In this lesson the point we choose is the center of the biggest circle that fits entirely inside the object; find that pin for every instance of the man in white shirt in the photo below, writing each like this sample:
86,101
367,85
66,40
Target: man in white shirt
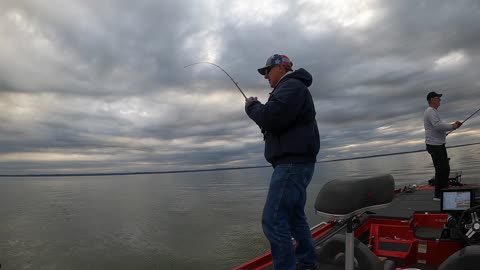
435,137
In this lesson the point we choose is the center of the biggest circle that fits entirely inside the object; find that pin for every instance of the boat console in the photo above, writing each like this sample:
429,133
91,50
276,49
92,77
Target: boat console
390,242
463,222
463,214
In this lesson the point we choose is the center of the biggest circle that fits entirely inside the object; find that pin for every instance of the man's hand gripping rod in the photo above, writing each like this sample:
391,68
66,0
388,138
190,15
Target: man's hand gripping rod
465,120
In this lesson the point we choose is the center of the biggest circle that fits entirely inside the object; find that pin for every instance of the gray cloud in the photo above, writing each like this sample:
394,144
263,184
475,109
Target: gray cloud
88,86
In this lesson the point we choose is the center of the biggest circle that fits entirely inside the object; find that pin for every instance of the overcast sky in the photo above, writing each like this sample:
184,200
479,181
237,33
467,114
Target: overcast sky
100,86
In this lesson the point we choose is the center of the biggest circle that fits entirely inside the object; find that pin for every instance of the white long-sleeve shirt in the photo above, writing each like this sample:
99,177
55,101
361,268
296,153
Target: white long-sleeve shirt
435,129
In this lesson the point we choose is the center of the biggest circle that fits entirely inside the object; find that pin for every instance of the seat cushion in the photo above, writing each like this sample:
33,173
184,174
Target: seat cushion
345,197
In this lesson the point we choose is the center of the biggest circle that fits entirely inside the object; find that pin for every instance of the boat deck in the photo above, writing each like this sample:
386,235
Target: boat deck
408,202
405,204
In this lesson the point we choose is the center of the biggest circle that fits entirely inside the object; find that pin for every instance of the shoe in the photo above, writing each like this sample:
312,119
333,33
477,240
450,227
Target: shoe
436,199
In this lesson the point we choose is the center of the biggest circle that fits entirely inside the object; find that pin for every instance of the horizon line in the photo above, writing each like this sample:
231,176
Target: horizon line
217,169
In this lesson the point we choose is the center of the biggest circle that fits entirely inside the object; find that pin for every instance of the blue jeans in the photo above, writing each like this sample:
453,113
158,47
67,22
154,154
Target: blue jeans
284,217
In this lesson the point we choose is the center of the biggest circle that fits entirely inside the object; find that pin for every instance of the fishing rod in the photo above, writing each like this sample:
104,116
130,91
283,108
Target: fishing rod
465,120
236,84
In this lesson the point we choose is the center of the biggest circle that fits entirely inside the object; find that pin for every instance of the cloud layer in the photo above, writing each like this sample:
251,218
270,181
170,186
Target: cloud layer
89,86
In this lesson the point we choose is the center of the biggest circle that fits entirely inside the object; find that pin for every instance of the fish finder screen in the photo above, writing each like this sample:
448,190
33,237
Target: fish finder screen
456,200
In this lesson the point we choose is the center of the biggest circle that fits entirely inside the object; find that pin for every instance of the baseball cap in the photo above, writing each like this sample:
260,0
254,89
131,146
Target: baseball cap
276,59
432,95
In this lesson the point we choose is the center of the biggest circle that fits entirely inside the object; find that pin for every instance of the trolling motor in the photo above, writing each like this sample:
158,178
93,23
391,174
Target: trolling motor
454,179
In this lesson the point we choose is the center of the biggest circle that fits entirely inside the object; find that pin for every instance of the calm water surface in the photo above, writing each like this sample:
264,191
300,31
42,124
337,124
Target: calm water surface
203,220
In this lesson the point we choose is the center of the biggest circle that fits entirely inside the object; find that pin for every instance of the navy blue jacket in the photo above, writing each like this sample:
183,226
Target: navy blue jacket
288,121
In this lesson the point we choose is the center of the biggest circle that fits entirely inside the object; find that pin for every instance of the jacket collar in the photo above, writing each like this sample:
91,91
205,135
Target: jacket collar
281,78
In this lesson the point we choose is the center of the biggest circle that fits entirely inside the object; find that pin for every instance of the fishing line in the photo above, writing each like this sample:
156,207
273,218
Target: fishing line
236,84
465,120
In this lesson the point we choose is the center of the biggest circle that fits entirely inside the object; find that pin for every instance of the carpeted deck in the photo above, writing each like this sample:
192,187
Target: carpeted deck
407,203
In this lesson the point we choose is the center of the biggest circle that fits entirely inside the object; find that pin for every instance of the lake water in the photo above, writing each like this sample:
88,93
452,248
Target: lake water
201,220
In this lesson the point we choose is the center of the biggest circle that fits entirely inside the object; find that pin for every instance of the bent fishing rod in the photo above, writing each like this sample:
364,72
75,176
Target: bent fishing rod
236,84
465,120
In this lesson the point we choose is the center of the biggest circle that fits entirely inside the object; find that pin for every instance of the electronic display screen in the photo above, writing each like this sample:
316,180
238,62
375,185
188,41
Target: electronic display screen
456,200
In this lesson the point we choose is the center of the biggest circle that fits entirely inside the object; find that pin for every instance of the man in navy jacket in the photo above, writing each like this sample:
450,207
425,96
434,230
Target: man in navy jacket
292,142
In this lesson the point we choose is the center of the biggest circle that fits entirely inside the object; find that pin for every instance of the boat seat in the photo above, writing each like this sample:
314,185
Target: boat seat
467,258
344,198
331,256
347,199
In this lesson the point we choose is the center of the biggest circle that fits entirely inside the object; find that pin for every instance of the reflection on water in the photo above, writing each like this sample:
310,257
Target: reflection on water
203,220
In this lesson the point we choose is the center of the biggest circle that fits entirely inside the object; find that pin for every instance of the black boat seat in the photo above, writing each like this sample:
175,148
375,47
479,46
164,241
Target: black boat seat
329,256
468,258
344,198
